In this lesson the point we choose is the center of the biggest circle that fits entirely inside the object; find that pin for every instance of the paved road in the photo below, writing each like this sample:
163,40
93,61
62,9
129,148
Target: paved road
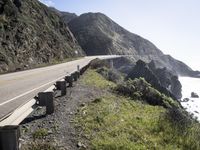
20,87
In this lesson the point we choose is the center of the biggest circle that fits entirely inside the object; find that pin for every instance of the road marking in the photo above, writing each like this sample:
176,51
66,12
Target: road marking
49,68
8,101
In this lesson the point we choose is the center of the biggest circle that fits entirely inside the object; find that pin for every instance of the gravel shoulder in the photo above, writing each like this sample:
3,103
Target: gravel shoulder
57,131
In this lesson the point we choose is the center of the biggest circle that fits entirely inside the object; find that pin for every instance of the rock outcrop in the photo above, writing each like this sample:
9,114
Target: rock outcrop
99,35
31,34
194,95
162,79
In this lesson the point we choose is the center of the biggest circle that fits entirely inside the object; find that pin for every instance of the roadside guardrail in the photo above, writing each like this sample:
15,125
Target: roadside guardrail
9,125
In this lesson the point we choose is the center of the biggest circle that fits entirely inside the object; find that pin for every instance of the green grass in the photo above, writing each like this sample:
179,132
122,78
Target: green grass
92,78
120,123
116,122
39,142
40,133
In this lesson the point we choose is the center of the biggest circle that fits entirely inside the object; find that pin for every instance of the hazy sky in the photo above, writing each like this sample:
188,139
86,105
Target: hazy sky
172,25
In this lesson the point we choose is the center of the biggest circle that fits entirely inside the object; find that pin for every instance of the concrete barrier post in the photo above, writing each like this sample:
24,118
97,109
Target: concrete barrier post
9,138
78,68
81,71
78,74
61,85
69,80
47,99
111,64
75,77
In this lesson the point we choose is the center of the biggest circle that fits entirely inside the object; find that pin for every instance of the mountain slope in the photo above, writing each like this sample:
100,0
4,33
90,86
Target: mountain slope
31,34
99,35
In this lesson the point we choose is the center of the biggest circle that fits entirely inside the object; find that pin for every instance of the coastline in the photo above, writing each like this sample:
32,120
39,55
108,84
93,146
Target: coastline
189,85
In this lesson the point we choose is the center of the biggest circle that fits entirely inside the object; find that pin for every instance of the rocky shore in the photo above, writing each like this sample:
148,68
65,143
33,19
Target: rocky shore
190,91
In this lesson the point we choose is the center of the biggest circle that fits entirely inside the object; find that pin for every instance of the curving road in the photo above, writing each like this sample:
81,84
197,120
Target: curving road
20,87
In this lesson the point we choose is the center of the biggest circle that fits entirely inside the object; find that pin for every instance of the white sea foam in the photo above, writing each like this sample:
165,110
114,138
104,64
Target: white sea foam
191,85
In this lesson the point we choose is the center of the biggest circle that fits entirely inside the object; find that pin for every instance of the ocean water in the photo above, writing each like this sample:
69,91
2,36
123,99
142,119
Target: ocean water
191,85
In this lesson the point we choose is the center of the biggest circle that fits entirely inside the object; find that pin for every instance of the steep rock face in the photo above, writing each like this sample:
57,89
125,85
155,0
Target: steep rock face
31,34
162,79
99,35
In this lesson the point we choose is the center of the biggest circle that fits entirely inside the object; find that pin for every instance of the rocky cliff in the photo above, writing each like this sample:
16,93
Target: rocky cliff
99,35
31,34
162,79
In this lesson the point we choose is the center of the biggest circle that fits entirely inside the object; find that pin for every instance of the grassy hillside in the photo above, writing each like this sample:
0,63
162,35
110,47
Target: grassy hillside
125,121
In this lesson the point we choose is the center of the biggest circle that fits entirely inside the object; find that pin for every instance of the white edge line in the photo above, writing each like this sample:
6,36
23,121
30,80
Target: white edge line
8,101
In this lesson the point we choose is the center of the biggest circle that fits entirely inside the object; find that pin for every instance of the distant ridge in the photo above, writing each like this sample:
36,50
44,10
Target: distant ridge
99,35
66,16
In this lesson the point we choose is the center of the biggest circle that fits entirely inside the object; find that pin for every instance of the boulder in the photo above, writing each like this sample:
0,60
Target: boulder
185,100
194,95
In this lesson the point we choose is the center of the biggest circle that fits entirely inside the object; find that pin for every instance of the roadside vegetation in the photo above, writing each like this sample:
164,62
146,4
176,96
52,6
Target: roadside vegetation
133,116
92,78
39,146
39,142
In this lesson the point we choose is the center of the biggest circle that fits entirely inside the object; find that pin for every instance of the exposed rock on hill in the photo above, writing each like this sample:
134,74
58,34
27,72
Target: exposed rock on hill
162,79
99,35
31,34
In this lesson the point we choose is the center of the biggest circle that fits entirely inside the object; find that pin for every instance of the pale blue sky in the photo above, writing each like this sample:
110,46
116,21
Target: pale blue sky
172,25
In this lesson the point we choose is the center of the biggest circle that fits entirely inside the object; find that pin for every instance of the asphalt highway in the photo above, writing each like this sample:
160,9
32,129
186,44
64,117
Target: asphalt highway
19,87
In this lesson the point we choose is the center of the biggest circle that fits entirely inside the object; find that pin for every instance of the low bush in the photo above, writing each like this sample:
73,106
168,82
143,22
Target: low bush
92,78
110,74
142,90
97,63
